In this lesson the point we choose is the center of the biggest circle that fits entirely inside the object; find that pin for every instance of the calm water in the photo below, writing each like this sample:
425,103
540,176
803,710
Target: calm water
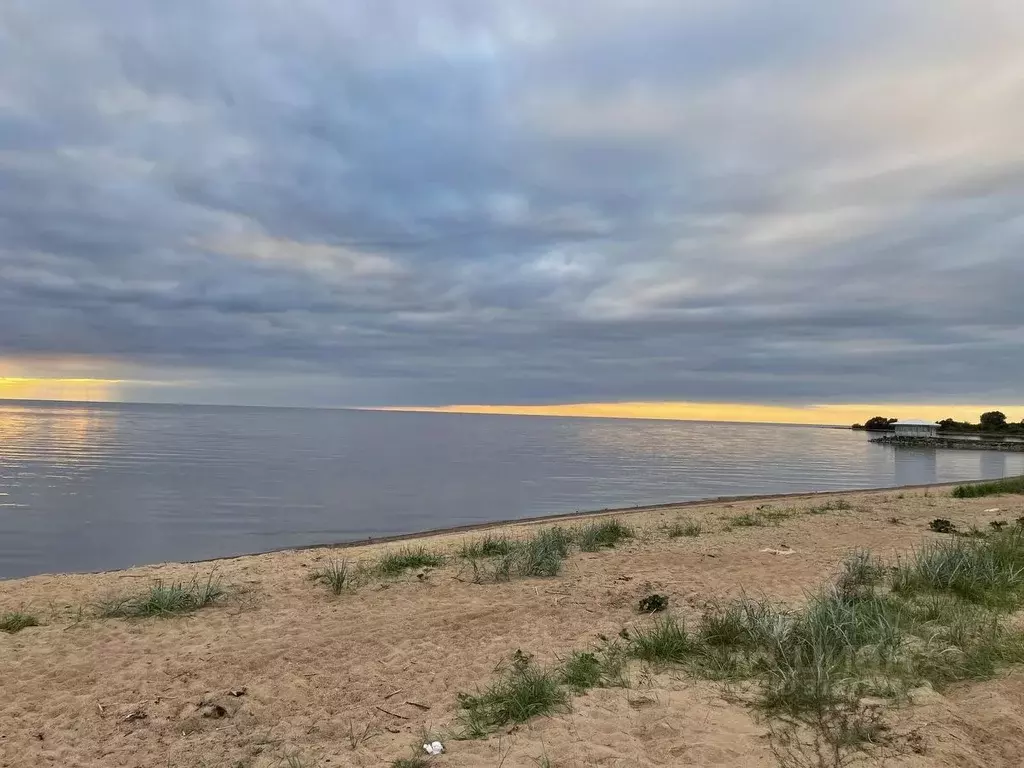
102,486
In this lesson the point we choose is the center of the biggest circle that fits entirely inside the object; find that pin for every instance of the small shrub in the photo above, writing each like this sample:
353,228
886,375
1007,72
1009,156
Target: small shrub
398,561
523,690
336,574
164,599
974,490
653,603
17,621
942,525
599,535
998,525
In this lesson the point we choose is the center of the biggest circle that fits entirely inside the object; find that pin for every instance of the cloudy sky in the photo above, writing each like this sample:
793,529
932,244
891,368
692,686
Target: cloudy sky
520,203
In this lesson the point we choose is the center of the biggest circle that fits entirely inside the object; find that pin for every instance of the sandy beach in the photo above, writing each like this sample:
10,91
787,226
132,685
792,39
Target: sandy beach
282,672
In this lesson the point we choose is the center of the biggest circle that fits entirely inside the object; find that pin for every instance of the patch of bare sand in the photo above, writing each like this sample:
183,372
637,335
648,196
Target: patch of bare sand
327,678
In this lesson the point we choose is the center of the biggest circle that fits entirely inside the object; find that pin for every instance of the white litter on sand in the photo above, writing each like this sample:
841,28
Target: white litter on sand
773,551
994,509
433,748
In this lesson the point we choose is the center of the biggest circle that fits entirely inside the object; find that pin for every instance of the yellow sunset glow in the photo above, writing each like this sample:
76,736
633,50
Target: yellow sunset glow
747,412
28,388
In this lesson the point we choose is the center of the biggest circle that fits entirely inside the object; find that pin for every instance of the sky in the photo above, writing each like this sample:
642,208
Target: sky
647,207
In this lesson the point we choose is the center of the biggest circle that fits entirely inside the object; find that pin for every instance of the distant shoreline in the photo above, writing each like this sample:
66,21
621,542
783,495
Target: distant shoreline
947,443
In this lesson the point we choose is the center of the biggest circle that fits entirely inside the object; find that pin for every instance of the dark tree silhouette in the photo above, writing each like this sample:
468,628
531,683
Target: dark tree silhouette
993,420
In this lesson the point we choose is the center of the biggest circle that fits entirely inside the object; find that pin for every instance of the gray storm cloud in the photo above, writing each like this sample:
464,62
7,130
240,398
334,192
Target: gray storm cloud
436,202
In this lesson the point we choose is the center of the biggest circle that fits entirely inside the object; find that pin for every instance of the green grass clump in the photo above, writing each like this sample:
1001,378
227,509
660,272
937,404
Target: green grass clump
411,762
666,640
760,518
17,621
988,571
602,534
397,561
523,690
836,505
164,599
488,546
604,667
582,671
974,490
684,528
540,555
336,574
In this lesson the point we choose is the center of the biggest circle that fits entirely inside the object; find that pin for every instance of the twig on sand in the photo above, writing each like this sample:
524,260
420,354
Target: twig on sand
393,693
393,714
417,704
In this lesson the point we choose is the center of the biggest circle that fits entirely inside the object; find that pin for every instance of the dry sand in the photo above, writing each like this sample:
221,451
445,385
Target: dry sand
319,670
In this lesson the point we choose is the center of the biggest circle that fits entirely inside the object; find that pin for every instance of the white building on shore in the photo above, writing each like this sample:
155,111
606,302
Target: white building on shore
916,428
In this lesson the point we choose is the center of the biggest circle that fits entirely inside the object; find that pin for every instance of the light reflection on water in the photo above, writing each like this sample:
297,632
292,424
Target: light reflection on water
105,486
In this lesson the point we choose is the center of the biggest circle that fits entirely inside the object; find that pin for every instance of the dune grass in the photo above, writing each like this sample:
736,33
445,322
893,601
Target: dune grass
164,599
411,762
604,667
988,571
396,561
602,534
835,505
760,518
523,690
337,575
974,490
875,631
542,554
939,623
488,545
16,621
684,528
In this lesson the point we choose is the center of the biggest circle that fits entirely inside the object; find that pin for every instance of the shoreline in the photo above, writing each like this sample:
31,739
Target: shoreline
497,524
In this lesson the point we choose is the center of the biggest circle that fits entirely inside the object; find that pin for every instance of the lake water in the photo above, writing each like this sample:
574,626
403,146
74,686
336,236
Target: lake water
94,487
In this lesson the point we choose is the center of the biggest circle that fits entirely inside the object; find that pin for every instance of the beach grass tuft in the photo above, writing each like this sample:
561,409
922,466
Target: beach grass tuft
337,574
974,490
488,546
411,762
835,505
396,561
542,554
164,599
16,621
666,640
760,518
603,534
688,528
988,571
523,690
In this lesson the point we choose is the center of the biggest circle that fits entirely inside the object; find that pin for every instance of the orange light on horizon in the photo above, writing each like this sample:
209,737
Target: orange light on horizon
69,389
839,414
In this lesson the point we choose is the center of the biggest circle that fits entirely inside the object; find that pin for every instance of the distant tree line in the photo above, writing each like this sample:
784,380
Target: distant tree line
989,422
876,424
